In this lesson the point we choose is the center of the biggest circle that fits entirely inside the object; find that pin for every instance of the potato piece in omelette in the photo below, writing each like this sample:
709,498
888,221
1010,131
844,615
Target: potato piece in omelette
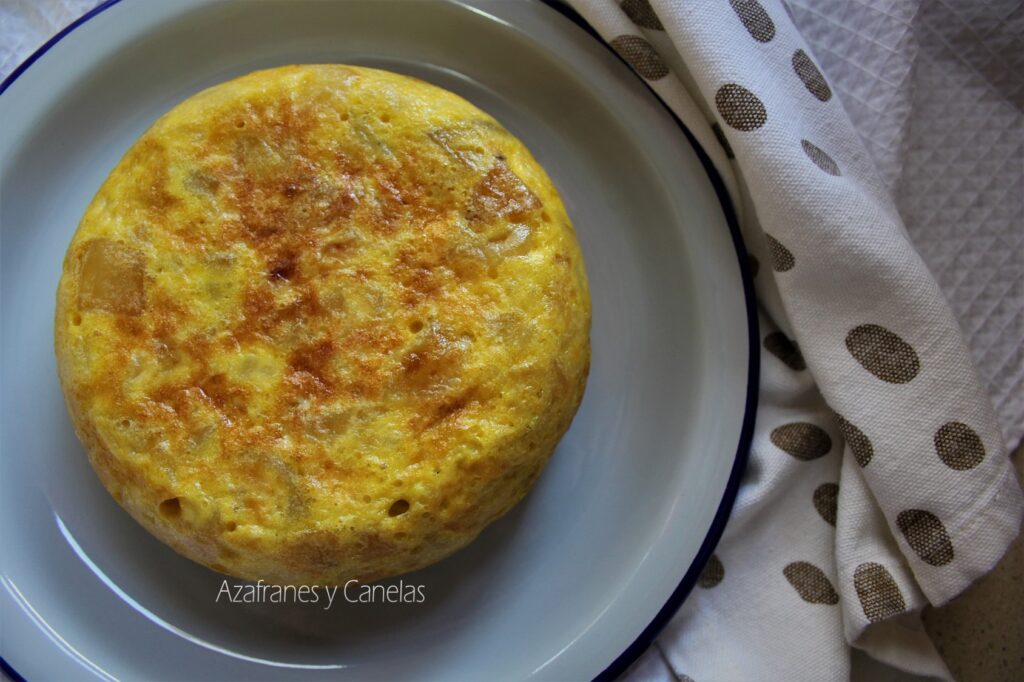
322,323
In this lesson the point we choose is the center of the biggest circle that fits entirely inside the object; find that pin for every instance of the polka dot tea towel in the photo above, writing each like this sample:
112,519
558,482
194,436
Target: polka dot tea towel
878,480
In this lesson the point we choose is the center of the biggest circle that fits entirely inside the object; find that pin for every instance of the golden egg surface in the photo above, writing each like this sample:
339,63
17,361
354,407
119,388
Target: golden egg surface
322,323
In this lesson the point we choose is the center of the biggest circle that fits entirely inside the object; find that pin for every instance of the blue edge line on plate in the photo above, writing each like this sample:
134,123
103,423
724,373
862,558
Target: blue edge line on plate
644,640
675,600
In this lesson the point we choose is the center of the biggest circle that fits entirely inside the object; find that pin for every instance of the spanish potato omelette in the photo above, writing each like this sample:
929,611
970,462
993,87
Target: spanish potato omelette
321,323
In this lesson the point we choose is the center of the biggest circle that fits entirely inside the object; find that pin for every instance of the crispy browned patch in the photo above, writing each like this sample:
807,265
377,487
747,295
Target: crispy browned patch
224,395
311,367
150,162
262,317
282,267
501,194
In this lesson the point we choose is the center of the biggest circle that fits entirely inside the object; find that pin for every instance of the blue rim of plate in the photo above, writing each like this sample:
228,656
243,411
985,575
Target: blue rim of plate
714,534
646,637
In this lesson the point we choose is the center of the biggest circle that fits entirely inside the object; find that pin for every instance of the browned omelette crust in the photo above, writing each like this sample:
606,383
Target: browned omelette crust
322,323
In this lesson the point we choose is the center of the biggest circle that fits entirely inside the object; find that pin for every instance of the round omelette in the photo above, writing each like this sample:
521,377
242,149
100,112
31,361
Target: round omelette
322,323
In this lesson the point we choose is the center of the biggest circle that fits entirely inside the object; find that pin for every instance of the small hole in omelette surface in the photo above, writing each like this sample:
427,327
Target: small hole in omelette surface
76,319
230,526
125,423
239,123
415,326
282,269
398,508
385,118
170,508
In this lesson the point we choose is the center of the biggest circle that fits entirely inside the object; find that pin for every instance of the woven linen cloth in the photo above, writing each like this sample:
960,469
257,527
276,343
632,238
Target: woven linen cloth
936,91
878,480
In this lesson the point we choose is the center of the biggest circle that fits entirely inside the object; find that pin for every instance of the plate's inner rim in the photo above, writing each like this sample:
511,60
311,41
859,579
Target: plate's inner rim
643,640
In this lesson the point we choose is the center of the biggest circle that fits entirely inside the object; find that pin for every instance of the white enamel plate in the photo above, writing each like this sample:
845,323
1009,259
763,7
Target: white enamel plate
575,582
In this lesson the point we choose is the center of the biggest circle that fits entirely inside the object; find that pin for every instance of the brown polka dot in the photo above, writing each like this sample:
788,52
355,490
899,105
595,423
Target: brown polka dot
755,265
722,140
878,592
826,497
781,257
712,574
926,535
779,345
639,54
811,76
883,353
811,583
802,440
641,13
859,444
959,447
755,19
820,158
739,107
